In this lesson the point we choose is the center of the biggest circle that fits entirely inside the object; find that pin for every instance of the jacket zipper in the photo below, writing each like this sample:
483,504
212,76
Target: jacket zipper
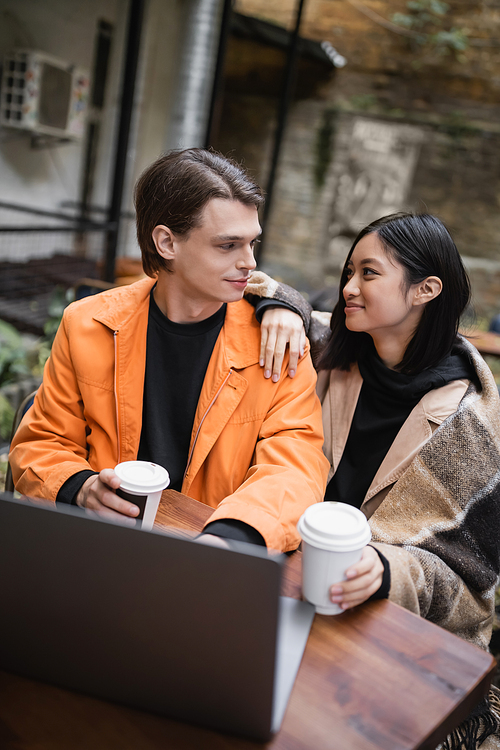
212,402
115,339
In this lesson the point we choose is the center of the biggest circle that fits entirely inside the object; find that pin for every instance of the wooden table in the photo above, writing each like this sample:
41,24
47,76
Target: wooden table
375,678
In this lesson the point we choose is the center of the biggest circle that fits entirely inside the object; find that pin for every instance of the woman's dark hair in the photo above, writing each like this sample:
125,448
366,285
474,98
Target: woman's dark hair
175,189
424,247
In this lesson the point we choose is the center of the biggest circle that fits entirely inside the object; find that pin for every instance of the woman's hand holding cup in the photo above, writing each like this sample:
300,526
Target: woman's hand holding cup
363,580
334,538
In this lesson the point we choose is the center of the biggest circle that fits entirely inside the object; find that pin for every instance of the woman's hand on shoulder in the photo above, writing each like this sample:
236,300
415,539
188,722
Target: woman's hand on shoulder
363,580
281,327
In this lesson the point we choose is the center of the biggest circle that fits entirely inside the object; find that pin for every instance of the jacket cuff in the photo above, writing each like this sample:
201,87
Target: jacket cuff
385,586
265,304
238,531
262,286
272,531
72,486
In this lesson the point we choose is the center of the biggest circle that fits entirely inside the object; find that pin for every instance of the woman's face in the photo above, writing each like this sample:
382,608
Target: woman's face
376,298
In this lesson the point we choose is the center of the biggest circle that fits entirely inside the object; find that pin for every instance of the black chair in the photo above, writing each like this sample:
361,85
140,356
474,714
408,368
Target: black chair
21,410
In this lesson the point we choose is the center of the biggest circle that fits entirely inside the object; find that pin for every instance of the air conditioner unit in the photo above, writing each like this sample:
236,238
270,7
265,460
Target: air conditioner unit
43,94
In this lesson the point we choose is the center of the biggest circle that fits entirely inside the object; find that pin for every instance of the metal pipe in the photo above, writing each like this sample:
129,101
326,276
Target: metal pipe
80,227
37,211
218,85
286,97
92,209
131,57
188,125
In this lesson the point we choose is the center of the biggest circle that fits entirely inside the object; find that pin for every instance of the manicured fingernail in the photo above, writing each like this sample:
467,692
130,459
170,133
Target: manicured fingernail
302,352
261,362
267,374
344,606
335,590
351,573
276,377
134,510
291,373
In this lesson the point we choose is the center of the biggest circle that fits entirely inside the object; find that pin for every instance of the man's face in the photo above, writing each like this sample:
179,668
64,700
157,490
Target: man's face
213,263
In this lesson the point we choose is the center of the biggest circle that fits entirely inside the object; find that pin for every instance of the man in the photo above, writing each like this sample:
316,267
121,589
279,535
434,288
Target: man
167,370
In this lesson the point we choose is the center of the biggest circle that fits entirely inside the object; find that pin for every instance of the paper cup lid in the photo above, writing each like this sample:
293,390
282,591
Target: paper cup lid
142,475
334,526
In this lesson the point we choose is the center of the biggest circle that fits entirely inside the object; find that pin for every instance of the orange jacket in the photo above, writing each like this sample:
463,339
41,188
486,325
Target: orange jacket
256,446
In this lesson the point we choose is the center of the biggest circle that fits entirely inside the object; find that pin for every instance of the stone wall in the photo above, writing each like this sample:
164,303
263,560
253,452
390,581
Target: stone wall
485,279
458,178
382,58
450,104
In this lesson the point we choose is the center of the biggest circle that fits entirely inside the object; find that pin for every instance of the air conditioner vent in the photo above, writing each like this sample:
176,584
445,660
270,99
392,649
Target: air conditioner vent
43,94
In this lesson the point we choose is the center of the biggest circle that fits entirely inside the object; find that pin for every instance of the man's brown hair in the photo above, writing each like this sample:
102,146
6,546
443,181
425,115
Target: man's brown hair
175,189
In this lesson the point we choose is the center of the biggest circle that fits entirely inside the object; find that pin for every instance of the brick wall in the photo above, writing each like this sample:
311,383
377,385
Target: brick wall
454,105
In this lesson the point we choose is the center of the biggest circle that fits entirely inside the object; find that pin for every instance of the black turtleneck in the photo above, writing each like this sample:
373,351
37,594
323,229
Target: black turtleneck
385,401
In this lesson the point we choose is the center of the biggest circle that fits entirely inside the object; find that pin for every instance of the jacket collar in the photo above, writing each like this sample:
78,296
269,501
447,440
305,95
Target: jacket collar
339,404
120,304
241,335
241,329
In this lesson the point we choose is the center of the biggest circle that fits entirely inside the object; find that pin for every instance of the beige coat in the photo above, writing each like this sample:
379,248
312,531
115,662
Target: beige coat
434,504
338,392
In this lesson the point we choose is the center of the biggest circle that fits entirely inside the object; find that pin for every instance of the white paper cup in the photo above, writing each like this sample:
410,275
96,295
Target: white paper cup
333,538
141,483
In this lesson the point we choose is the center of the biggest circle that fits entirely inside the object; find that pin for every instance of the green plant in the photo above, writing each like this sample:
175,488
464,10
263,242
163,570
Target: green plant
19,358
363,102
457,126
60,299
16,360
6,418
58,302
22,356
323,147
424,28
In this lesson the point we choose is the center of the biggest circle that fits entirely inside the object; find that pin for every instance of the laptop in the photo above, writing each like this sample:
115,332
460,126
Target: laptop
193,632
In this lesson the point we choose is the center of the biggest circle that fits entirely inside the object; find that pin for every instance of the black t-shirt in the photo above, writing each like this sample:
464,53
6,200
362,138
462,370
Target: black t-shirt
177,357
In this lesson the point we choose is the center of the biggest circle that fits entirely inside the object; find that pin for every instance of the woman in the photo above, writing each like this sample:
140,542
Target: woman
411,415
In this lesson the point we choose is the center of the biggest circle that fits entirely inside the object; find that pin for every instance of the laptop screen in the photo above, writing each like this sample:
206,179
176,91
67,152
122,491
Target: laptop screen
141,618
